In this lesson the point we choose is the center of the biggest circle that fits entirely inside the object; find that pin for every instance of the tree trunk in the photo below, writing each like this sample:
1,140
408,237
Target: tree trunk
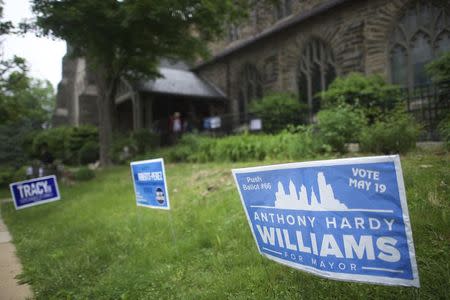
107,87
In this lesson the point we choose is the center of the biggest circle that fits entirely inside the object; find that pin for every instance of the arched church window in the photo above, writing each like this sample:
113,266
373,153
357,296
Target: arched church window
421,54
316,70
421,34
250,87
443,42
398,63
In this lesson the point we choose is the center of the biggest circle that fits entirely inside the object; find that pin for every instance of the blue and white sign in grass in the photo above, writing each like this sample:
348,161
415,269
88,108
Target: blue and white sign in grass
34,191
150,186
344,219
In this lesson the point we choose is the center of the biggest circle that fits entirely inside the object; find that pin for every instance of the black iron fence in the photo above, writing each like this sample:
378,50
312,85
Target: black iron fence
429,104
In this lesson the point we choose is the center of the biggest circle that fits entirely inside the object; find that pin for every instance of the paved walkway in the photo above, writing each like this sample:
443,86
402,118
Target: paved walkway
10,267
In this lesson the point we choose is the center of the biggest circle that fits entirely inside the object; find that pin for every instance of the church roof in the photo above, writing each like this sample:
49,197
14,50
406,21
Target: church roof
181,83
271,31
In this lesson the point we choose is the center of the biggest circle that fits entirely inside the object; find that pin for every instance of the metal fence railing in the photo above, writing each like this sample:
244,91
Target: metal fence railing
429,104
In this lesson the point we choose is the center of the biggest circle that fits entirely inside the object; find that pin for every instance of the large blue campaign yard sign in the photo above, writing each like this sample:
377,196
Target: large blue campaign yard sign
150,183
344,219
34,191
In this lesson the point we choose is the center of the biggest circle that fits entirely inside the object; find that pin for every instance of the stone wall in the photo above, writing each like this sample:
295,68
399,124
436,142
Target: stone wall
63,109
76,95
381,17
261,17
357,32
88,110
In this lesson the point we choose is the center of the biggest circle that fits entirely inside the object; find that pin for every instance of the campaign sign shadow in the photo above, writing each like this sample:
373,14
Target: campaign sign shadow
34,191
344,219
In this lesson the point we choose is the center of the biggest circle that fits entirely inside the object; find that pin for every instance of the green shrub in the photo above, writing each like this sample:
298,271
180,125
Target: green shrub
84,174
439,69
444,131
370,93
138,142
77,139
396,134
119,142
240,148
56,139
179,153
28,143
340,125
293,143
20,174
192,148
279,110
89,153
143,140
14,141
6,176
64,143
10,174
205,151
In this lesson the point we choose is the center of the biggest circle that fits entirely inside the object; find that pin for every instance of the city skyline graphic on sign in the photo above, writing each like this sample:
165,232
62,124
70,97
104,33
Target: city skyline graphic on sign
322,200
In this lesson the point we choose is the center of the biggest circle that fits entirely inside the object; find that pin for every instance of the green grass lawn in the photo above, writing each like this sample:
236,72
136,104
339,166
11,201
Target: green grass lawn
96,244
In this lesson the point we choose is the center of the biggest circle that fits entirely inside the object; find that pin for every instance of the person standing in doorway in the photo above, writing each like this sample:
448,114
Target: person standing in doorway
176,126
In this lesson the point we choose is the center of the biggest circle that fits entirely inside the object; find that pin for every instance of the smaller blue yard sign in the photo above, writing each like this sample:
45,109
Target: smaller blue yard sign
343,219
150,186
34,191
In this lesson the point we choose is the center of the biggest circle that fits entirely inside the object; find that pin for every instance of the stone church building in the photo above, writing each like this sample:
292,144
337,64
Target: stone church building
296,46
